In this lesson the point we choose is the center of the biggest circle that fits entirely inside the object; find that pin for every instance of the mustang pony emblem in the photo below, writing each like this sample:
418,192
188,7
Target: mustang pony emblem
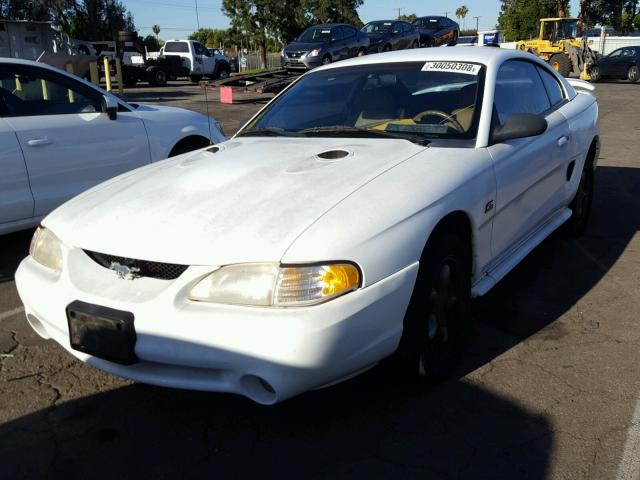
124,272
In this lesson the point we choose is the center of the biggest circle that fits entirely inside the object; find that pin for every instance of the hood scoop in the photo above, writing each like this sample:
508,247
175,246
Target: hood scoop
334,154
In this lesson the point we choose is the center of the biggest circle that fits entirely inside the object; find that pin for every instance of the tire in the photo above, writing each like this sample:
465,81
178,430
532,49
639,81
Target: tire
415,44
387,48
438,319
195,78
156,76
361,53
595,74
561,64
326,60
581,204
224,73
633,74
455,39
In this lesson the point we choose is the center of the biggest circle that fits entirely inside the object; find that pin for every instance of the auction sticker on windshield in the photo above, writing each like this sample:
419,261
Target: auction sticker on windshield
452,67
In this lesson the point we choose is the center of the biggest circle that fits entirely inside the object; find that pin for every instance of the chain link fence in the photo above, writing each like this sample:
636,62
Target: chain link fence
253,61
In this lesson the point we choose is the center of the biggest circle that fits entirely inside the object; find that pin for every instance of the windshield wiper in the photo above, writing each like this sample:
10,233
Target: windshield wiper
267,132
348,131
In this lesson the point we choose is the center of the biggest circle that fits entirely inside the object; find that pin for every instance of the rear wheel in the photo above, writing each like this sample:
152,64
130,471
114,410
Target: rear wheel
195,78
561,64
387,48
361,52
438,318
633,74
156,76
455,39
415,44
595,74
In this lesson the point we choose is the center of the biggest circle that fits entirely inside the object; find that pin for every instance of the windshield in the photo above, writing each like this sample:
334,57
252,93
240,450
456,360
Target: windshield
432,100
377,27
315,34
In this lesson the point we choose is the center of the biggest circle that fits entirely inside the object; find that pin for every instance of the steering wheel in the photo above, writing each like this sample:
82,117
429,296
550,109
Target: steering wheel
445,116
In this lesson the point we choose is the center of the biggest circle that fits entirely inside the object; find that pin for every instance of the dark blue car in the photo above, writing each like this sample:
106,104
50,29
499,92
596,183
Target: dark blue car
387,35
436,31
323,44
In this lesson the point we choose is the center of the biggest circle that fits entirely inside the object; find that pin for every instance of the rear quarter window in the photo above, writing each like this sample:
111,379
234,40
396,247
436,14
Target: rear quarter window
554,90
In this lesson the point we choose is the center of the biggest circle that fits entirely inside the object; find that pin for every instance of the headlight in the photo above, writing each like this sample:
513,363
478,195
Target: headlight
46,249
267,284
314,53
283,53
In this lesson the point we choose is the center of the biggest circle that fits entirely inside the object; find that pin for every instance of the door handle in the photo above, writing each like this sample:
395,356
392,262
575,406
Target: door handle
38,142
562,141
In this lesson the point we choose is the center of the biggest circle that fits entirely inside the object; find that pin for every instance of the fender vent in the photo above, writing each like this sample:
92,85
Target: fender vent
213,149
158,270
333,154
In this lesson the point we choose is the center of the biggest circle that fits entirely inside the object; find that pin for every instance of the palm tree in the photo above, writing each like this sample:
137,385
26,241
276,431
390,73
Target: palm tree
462,13
156,30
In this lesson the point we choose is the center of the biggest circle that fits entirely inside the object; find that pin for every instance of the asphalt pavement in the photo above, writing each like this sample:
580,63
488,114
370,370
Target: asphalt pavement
550,386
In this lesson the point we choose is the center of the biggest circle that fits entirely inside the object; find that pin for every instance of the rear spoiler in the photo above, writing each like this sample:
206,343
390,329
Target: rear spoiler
581,84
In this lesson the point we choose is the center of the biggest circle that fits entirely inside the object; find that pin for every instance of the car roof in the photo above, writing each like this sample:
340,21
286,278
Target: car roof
484,55
432,16
328,25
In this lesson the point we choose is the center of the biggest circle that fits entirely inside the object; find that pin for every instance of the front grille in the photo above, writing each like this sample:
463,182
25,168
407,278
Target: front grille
161,271
295,54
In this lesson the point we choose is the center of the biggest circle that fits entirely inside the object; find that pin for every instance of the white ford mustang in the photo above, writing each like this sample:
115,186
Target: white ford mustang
351,220
60,135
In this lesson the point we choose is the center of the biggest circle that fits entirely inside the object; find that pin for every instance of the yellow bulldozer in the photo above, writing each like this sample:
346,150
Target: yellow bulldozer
559,46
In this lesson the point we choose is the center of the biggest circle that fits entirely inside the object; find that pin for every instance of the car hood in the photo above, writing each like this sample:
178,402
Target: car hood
302,46
247,202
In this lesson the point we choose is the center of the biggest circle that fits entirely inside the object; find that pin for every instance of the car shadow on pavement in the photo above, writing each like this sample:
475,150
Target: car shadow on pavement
13,248
360,428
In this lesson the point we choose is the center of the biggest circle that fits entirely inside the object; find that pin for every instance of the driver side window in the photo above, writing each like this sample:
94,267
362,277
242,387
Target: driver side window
29,91
519,89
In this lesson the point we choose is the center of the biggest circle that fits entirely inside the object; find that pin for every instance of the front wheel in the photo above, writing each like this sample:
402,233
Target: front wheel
195,78
438,319
633,74
595,74
415,44
561,64
326,60
361,52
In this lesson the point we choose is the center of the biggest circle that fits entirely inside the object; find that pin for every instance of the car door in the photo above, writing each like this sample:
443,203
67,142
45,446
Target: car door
397,40
611,65
16,201
351,41
201,55
69,145
529,171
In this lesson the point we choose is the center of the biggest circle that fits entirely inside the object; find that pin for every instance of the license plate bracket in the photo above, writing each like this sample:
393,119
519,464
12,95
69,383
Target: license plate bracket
102,332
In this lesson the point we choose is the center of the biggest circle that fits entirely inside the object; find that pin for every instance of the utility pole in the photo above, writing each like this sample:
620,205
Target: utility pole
477,22
446,14
197,17
399,11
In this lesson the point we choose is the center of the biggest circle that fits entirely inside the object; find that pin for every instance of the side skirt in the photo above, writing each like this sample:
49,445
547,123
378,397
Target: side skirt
498,271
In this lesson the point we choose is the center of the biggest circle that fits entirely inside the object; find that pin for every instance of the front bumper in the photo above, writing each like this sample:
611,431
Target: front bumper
266,354
302,64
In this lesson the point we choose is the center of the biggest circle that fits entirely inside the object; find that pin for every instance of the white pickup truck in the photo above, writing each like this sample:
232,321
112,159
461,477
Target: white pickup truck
197,59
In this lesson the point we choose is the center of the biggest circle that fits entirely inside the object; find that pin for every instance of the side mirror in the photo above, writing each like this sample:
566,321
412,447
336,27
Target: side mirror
519,126
110,106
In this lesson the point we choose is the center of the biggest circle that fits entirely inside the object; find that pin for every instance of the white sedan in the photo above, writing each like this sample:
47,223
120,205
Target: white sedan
350,221
60,135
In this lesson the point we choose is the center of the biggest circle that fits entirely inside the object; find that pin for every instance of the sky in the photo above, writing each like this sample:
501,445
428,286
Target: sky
177,18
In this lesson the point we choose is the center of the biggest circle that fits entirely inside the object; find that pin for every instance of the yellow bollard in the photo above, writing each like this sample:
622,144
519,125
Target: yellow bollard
107,73
119,76
72,96
93,73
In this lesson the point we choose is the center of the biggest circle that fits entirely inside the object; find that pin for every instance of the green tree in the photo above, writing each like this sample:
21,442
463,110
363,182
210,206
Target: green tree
333,11
461,13
408,18
152,43
156,29
520,19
